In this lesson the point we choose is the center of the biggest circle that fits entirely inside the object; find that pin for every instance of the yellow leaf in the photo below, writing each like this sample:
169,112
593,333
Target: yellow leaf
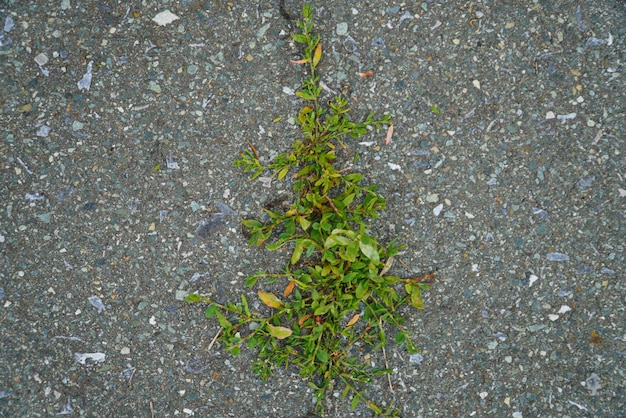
279,332
317,56
353,320
270,299
289,288
302,61
282,173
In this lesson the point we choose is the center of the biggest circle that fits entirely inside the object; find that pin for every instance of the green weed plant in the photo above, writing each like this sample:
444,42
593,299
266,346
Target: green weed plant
337,297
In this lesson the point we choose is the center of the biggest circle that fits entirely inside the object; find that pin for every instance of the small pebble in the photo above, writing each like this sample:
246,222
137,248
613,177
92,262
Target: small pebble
342,29
41,59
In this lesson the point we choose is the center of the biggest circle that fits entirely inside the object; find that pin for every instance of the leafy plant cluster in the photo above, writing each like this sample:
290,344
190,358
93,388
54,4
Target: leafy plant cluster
338,297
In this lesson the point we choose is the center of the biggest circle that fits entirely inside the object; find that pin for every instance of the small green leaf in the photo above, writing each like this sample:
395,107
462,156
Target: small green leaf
400,337
251,223
297,252
304,223
252,343
323,356
193,298
235,350
334,239
369,251
251,280
282,173
211,311
223,321
244,303
348,199
279,332
300,38
434,109
322,310
355,402
361,290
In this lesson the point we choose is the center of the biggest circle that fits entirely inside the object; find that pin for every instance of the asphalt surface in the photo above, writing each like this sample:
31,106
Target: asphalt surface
505,175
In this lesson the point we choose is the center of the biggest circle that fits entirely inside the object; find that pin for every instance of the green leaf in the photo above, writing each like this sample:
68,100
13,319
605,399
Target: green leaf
304,223
297,252
352,252
322,356
305,95
235,351
223,321
252,342
348,199
369,251
355,402
334,239
193,298
251,280
279,332
322,310
434,109
299,38
362,289
244,303
251,223
211,311
282,173
400,337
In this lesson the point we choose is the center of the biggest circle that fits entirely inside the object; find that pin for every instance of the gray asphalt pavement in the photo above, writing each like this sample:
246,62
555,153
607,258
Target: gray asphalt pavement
119,124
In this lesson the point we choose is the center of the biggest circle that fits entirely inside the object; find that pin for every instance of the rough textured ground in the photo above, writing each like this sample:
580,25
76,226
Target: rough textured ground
508,154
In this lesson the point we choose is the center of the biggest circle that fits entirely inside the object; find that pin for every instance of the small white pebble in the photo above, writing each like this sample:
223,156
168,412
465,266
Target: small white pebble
41,59
550,115
564,309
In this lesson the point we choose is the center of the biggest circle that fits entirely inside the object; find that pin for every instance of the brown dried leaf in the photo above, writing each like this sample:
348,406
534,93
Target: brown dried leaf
595,338
353,320
304,318
289,288
302,61
367,74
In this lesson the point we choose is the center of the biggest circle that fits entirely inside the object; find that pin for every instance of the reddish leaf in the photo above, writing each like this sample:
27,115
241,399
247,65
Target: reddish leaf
304,318
317,56
289,288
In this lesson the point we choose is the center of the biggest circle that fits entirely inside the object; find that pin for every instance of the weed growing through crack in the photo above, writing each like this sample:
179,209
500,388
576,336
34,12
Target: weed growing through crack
337,296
